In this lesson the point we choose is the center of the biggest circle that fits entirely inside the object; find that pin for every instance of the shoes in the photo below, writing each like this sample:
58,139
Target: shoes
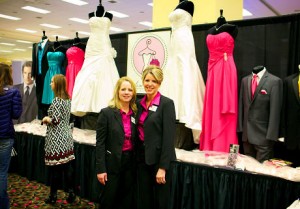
71,198
51,199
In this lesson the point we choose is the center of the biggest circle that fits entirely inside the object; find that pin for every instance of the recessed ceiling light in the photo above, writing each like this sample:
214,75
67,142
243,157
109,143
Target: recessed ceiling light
9,17
35,9
23,50
116,29
84,33
150,4
76,2
246,13
75,19
5,51
49,25
7,44
146,23
25,42
26,30
118,14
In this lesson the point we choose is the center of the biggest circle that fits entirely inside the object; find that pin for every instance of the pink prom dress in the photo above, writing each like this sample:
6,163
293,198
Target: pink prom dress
219,118
75,56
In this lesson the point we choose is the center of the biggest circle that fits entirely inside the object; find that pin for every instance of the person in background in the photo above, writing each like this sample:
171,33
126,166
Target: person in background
115,161
10,108
59,146
156,123
28,94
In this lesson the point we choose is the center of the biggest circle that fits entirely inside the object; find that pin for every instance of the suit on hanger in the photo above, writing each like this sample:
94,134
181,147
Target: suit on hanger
30,110
259,118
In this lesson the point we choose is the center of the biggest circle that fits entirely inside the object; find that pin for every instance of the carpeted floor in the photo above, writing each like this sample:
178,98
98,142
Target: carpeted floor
31,194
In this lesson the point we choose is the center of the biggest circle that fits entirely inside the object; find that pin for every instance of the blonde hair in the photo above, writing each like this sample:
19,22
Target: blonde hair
155,71
60,86
115,101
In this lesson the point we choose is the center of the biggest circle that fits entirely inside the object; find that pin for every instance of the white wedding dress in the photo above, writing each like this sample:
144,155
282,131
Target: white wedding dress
95,82
183,81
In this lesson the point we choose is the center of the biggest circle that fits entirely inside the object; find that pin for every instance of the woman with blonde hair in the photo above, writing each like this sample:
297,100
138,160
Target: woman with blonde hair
115,163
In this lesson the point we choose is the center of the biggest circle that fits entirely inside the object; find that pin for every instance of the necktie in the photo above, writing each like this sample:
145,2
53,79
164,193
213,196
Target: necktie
26,95
254,85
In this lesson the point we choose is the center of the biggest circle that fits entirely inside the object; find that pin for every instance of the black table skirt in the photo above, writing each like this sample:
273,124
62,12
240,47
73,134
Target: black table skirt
29,163
199,186
194,186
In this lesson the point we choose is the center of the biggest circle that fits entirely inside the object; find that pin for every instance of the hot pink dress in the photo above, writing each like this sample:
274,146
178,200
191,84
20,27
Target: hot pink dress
219,118
75,56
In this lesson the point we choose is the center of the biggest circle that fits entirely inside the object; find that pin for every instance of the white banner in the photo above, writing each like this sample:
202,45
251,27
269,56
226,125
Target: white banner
144,48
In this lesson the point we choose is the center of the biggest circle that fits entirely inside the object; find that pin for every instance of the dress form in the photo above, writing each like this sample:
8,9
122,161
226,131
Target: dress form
100,11
187,6
223,26
257,69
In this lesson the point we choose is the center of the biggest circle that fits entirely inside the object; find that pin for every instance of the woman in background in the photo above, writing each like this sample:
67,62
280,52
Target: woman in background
59,147
10,108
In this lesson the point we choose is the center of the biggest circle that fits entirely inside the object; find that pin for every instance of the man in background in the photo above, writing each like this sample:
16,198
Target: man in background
28,94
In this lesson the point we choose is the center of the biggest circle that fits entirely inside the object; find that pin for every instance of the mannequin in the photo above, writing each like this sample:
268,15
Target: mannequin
44,36
77,42
100,11
257,69
223,26
186,5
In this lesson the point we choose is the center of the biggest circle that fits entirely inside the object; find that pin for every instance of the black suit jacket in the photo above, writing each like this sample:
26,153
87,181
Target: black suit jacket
159,133
110,137
291,112
30,110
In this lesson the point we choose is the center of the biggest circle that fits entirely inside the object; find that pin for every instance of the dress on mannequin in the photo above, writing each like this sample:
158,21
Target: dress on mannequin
221,96
56,57
183,81
95,81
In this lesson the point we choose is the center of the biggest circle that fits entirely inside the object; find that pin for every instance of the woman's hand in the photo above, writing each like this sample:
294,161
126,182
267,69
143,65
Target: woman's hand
102,178
161,176
46,120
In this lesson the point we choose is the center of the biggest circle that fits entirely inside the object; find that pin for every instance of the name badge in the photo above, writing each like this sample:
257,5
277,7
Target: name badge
153,108
133,120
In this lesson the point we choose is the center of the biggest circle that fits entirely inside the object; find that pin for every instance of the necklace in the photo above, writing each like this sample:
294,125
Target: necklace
56,47
217,28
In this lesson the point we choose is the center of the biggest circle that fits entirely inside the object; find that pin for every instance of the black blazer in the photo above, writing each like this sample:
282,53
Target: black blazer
291,112
159,130
110,137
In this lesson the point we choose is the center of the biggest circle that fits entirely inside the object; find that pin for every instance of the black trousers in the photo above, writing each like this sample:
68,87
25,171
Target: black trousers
150,194
118,191
61,176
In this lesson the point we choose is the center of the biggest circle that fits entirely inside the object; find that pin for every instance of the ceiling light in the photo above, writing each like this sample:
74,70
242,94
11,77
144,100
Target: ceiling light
116,29
146,23
76,2
25,42
150,4
118,14
84,33
246,13
50,26
35,9
5,51
60,36
7,44
26,30
9,17
75,19
23,50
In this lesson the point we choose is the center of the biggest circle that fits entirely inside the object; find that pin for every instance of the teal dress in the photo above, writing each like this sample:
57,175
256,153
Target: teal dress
55,61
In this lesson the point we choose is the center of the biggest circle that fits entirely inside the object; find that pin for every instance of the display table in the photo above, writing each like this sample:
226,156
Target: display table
194,185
